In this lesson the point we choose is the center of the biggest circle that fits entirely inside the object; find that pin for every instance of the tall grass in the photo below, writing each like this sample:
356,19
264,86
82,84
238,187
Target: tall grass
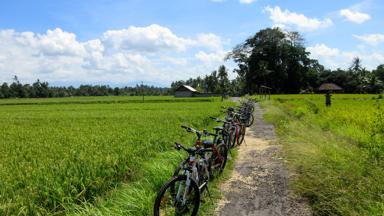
336,153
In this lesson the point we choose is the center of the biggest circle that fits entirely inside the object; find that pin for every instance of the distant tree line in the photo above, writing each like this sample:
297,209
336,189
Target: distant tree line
42,90
217,82
280,61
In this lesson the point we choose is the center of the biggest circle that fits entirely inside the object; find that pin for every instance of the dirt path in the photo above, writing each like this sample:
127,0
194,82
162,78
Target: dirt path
259,182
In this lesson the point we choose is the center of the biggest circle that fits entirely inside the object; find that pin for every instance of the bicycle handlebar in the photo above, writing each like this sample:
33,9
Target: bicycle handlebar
179,146
220,120
192,151
198,133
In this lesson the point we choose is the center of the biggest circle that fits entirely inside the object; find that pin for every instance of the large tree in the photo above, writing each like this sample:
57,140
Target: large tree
273,58
223,81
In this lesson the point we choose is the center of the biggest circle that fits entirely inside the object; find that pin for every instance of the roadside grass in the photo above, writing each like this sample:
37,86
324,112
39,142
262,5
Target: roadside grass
336,153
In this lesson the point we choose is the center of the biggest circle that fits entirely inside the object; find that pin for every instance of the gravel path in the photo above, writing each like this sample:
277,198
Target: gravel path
259,182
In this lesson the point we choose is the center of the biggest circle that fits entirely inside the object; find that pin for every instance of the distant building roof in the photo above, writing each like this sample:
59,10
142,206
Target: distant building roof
190,88
330,87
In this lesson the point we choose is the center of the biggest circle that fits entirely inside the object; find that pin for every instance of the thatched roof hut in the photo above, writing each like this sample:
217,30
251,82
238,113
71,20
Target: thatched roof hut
326,87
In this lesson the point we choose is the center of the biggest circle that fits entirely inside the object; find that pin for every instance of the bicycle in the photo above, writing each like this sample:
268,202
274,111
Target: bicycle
240,122
217,158
181,194
228,131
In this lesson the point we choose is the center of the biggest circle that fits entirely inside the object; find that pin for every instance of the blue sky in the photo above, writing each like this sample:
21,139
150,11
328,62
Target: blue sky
125,42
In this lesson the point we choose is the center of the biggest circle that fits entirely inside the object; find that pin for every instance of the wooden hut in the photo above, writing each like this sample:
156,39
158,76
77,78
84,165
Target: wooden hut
185,91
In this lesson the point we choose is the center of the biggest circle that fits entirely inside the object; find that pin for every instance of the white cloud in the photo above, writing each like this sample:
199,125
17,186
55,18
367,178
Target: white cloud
372,39
58,42
152,53
210,40
211,58
152,38
355,16
300,21
174,60
247,1
320,50
335,58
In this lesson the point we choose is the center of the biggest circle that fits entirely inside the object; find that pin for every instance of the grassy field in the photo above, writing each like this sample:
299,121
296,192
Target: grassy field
336,153
102,99
63,155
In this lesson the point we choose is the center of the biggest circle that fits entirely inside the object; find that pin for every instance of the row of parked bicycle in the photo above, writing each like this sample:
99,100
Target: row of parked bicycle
181,195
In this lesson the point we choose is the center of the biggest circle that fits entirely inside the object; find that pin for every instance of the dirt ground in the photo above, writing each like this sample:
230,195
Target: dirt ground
259,182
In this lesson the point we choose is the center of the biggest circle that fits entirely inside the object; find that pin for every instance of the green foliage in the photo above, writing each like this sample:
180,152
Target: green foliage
43,90
336,153
273,58
57,156
217,82
279,60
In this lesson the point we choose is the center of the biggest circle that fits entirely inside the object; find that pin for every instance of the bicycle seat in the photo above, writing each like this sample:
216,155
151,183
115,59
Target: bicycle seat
218,128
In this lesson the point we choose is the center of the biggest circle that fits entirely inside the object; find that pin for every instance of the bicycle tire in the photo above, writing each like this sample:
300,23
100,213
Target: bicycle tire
250,120
227,139
162,197
232,138
240,140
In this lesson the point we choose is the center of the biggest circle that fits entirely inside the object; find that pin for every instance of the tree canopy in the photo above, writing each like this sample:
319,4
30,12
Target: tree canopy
279,60
276,59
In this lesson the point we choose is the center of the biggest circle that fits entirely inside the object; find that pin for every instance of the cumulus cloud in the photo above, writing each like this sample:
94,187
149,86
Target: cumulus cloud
211,58
292,19
372,39
355,16
210,40
320,50
247,1
151,53
335,58
151,38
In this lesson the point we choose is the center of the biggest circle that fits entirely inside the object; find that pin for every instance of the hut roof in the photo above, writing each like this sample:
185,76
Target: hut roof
186,87
330,87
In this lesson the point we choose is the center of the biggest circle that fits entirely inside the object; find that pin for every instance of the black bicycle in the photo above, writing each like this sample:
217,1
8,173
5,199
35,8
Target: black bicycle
181,194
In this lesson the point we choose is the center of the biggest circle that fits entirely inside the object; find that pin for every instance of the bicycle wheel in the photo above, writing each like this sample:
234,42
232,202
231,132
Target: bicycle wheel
250,120
237,136
240,140
252,108
176,198
227,139
218,162
232,137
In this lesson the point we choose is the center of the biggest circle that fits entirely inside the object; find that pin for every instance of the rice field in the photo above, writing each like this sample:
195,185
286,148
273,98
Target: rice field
61,153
